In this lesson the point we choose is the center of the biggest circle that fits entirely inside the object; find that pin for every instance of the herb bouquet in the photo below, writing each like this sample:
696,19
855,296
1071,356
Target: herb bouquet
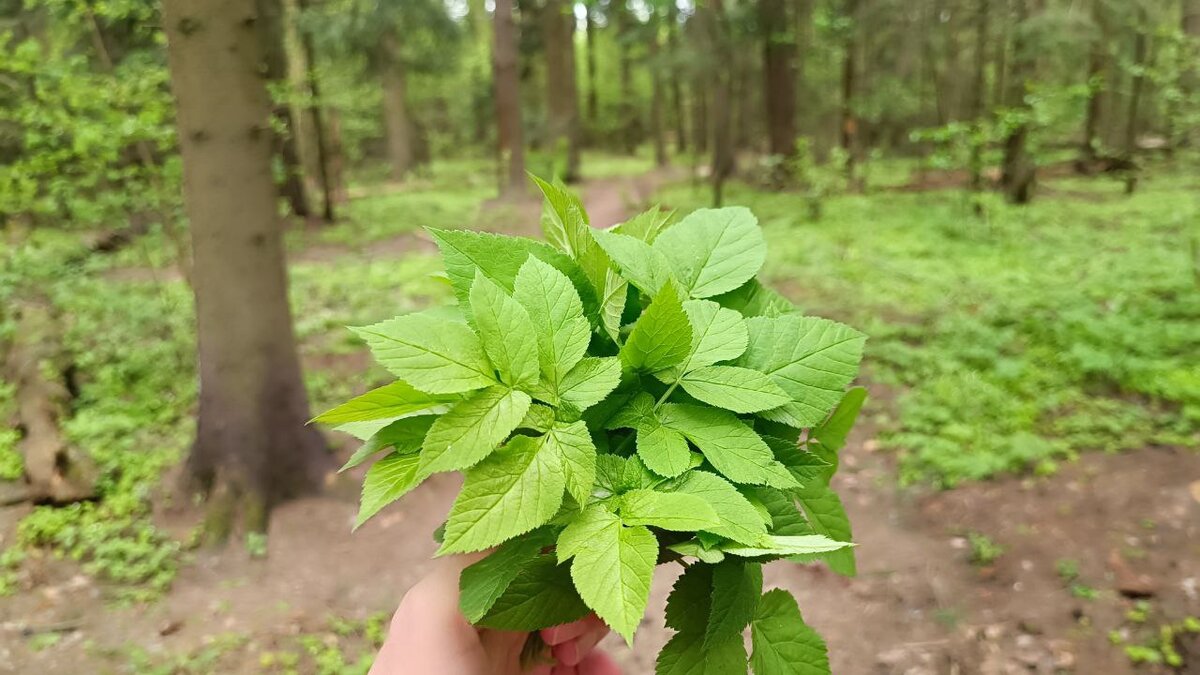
617,400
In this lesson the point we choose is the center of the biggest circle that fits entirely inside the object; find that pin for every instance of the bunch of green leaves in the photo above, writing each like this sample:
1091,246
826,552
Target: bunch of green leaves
615,400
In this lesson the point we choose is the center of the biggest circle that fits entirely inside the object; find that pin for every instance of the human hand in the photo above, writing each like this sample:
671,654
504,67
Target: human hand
429,634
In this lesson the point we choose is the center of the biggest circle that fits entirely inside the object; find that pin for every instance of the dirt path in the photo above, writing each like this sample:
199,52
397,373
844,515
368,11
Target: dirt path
1127,522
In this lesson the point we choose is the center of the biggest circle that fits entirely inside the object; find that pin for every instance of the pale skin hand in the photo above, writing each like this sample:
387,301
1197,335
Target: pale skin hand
429,635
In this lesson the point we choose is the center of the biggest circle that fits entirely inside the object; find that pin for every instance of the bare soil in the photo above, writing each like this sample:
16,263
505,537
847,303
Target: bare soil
1130,522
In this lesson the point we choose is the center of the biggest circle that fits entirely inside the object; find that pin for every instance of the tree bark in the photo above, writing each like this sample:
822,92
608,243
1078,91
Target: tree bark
275,66
252,448
508,99
1091,120
562,94
717,26
1135,100
333,187
779,76
630,124
1191,75
658,130
397,121
849,126
1019,173
677,111
978,101
593,98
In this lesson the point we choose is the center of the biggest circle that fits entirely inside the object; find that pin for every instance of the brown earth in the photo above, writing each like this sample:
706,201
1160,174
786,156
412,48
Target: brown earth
1129,522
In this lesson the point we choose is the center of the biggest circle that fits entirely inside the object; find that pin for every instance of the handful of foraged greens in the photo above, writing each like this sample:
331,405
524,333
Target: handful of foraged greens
615,400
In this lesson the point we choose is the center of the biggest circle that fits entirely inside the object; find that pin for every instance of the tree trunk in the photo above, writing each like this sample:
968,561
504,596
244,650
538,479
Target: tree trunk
717,24
630,124
252,448
979,102
1135,100
779,76
508,98
677,114
335,163
657,95
562,96
397,122
849,130
1019,173
1191,76
1091,120
593,100
333,188
275,65
804,37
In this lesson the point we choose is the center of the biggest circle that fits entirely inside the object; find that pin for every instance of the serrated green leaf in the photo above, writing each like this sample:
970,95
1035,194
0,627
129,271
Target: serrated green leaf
557,317
727,443
472,429
500,258
696,549
617,474
433,354
364,430
786,518
635,260
538,418
389,401
481,584
613,296
517,488
405,435
587,527
613,576
741,390
677,511
829,438
506,331
661,337
739,520
778,545
589,382
638,409
827,517
686,654
719,334
805,466
574,446
387,480
665,451
688,605
563,216
713,251
809,358
646,225
541,596
783,643
754,299
736,587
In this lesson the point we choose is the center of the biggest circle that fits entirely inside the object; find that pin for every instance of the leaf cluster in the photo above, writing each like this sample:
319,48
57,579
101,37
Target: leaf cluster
618,399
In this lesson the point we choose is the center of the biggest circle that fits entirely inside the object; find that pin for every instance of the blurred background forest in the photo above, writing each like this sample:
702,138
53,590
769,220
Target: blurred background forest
1003,194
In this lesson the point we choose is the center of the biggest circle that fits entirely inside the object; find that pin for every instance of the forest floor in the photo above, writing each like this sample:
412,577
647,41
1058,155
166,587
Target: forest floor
1026,574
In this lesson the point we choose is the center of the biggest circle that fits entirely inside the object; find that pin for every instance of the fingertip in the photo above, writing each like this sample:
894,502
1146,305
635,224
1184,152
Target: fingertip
598,663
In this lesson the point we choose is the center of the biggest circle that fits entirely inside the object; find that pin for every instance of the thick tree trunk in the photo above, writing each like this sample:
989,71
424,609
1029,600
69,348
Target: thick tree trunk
332,184
275,65
1019,173
718,35
849,125
562,95
508,99
779,76
593,99
252,447
978,101
397,122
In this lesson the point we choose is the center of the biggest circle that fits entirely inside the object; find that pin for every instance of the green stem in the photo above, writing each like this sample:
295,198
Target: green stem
666,393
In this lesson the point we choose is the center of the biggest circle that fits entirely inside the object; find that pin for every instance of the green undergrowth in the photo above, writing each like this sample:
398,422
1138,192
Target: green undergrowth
1014,340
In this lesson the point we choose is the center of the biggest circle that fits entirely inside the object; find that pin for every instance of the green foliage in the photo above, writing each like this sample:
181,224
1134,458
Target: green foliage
999,364
984,551
573,430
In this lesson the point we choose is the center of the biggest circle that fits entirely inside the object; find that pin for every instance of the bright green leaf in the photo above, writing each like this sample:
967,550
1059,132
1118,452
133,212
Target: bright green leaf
589,382
736,586
557,318
397,399
739,520
433,354
483,582
613,576
828,517
727,443
507,332
646,225
387,480
588,526
741,390
405,435
677,511
783,643
635,260
472,429
541,596
778,545
662,337
686,654
665,451
574,446
713,251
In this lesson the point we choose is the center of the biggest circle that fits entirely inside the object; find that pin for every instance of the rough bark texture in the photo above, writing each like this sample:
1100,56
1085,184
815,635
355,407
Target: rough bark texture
779,76
397,121
713,12
562,95
849,125
271,32
1019,174
252,448
508,99
36,365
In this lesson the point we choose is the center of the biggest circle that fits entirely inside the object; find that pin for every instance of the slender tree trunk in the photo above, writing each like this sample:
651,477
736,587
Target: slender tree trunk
804,38
630,124
397,121
717,26
1019,173
657,96
275,65
978,101
593,99
558,32
1091,120
332,184
677,112
335,162
1135,101
849,130
779,76
252,447
1191,76
508,99
701,129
